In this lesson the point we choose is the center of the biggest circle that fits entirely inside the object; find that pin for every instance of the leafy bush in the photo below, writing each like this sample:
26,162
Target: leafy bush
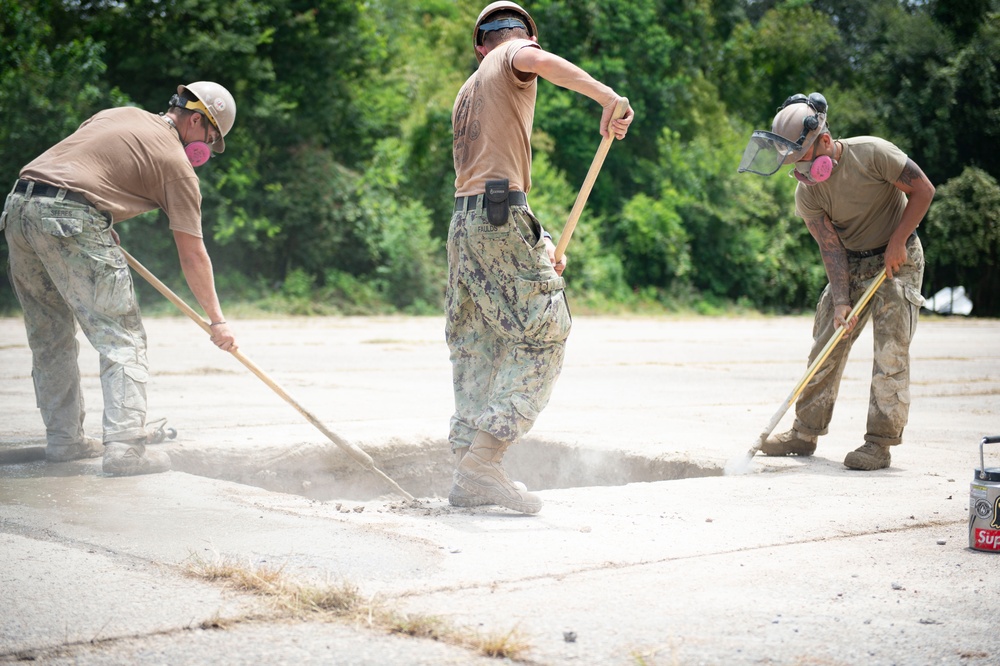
962,238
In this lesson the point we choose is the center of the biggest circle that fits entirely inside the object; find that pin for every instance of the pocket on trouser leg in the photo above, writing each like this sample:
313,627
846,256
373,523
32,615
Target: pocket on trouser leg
542,310
3,215
113,292
125,403
915,301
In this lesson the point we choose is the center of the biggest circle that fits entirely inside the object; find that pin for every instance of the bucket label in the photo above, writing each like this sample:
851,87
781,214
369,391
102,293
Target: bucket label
987,539
978,491
983,509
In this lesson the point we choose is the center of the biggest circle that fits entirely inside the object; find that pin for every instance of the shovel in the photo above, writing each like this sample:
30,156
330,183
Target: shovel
357,454
588,183
741,465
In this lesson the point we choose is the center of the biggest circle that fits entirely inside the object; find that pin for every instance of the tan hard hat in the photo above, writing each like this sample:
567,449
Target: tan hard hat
799,121
495,7
218,104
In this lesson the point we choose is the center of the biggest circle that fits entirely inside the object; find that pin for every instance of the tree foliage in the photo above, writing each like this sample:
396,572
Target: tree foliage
335,189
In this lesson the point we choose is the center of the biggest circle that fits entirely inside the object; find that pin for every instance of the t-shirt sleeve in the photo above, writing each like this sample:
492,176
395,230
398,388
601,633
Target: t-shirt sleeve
182,205
888,161
512,49
806,205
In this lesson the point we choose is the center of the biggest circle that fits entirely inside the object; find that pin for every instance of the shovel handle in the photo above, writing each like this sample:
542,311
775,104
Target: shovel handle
588,183
815,365
352,450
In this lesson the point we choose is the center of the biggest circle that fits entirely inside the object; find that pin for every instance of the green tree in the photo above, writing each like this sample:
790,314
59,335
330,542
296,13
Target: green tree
963,238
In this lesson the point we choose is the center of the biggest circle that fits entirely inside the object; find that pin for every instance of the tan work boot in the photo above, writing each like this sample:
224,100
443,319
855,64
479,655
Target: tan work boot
791,443
480,473
868,457
459,496
90,447
131,458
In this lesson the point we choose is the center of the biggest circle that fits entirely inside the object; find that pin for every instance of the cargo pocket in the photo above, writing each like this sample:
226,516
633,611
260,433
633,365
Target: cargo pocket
113,293
915,301
525,407
542,309
125,402
133,387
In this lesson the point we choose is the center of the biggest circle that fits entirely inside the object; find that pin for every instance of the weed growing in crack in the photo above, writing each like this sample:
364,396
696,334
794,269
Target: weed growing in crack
345,601
501,645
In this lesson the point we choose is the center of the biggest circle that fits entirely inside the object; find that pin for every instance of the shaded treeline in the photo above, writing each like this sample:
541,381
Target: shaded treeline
334,193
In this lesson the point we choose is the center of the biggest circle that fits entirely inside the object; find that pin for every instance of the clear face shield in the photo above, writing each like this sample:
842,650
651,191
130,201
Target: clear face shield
767,152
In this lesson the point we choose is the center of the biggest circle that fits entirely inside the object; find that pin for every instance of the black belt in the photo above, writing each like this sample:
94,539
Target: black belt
864,254
50,191
514,198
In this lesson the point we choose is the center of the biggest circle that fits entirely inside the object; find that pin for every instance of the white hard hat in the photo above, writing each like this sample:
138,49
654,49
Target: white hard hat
216,102
495,7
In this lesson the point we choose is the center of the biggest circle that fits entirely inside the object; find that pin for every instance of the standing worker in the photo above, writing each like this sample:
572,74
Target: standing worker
862,199
66,266
507,314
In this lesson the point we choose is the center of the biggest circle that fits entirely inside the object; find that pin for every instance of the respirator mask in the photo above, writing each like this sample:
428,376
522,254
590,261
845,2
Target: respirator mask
814,171
198,152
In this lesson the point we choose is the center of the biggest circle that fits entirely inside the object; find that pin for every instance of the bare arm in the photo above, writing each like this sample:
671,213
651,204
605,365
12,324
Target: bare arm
837,270
565,74
919,193
197,267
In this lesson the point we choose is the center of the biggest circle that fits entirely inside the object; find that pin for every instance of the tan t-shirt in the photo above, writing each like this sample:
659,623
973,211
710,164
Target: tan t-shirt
126,161
860,196
492,121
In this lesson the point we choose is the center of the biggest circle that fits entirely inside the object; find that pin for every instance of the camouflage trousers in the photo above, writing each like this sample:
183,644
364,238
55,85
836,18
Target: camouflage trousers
893,312
66,269
507,324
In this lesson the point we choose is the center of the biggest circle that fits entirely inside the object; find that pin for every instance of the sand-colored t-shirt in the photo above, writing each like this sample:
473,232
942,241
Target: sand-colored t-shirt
860,197
126,161
492,120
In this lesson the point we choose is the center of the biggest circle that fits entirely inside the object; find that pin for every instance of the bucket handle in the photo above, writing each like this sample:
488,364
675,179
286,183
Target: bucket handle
995,439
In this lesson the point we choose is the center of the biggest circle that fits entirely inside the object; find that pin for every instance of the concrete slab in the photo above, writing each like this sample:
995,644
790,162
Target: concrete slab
798,561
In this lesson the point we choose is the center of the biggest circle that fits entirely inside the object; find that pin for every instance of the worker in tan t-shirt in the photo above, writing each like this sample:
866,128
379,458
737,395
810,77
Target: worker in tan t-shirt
862,199
507,318
67,268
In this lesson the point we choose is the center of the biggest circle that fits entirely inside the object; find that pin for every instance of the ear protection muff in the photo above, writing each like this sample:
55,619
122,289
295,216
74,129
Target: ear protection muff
816,102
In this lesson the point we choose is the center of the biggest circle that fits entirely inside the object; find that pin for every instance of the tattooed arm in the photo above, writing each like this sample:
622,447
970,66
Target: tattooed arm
919,193
837,272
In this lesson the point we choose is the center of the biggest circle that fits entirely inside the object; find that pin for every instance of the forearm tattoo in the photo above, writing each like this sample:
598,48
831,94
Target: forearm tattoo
834,258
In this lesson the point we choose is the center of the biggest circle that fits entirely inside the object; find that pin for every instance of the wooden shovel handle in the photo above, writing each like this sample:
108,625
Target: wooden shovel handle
588,183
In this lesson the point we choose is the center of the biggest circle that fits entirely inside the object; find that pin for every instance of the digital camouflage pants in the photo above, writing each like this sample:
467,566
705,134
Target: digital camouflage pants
507,324
66,268
893,312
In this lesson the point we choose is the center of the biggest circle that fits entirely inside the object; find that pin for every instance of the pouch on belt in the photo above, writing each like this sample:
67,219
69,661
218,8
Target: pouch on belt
497,206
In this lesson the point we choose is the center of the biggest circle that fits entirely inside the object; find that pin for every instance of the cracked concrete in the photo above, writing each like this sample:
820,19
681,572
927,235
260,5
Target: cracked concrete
642,554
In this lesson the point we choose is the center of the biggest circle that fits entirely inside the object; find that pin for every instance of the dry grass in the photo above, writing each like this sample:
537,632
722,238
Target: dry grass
343,600
418,626
508,645
259,578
